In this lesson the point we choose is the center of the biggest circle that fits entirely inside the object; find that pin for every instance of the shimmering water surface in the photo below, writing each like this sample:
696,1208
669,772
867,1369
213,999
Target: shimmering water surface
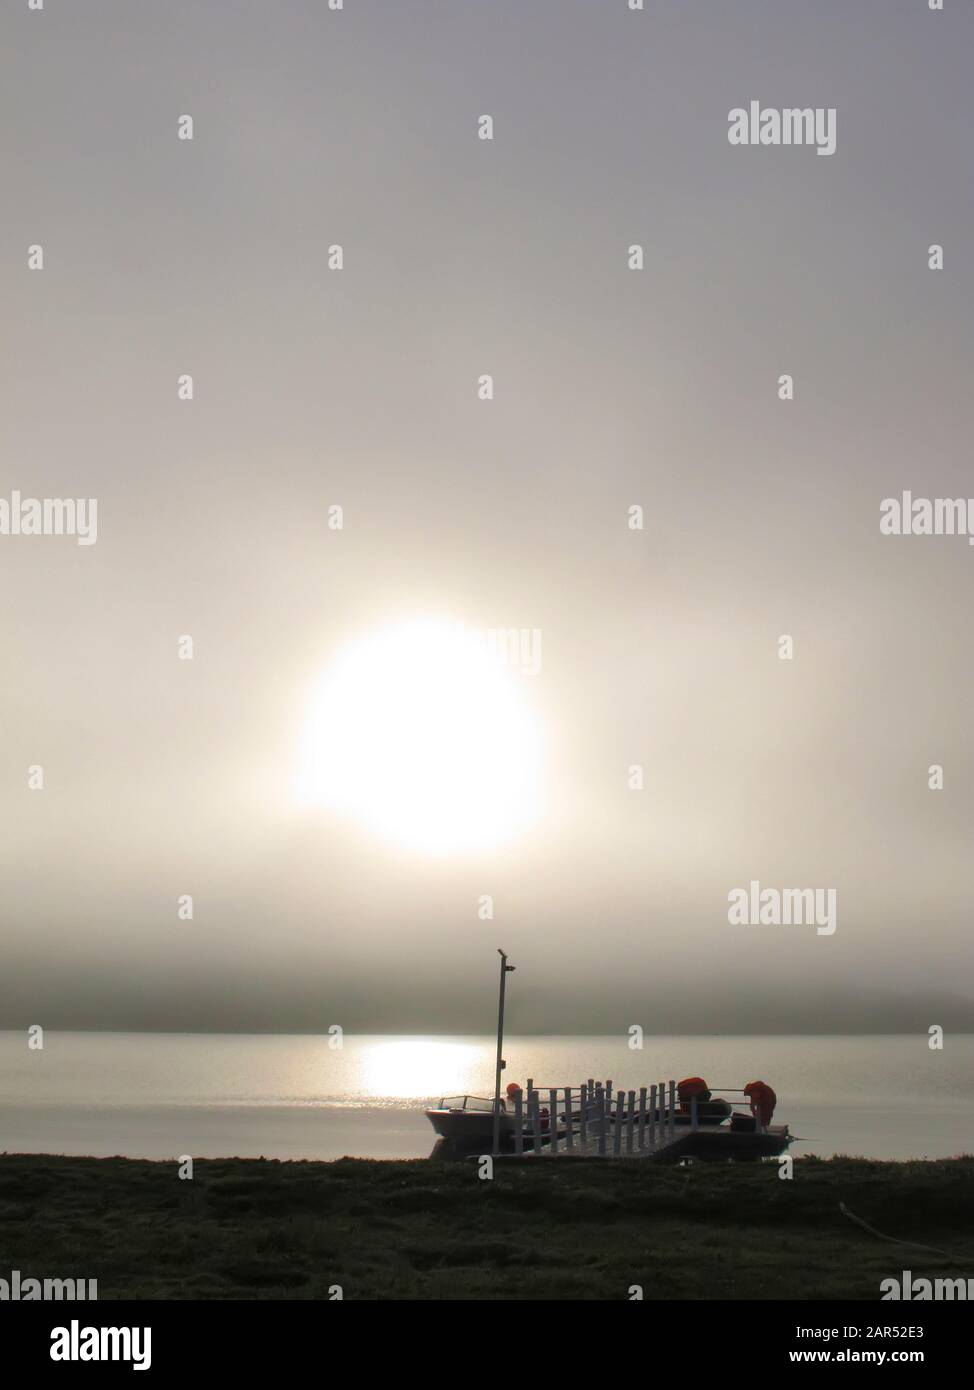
160,1095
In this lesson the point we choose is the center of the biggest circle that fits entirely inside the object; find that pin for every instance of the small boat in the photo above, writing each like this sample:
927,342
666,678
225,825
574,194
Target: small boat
697,1122
468,1119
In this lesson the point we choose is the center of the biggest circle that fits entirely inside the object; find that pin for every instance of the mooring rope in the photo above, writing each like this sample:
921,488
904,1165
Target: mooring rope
914,1245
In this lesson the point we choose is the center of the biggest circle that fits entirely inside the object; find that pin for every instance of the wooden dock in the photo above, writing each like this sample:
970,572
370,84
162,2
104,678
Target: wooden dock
594,1121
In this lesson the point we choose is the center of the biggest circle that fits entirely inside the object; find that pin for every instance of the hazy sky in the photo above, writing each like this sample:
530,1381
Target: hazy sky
613,387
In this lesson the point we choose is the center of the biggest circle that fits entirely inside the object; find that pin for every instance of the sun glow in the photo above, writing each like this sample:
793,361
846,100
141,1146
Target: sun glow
419,733
415,1068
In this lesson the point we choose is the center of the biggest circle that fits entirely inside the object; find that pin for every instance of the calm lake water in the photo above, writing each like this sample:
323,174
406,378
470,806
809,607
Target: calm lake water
159,1095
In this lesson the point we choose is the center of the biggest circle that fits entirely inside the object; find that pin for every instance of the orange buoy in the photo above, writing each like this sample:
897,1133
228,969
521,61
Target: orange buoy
513,1090
690,1087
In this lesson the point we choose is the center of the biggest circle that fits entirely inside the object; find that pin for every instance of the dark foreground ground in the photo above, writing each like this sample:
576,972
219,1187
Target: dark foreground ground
245,1228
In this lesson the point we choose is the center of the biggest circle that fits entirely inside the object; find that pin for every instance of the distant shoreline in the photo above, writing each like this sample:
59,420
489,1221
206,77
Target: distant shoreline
512,1035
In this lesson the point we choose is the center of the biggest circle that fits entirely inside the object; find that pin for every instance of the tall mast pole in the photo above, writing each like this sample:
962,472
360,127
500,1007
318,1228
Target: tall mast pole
495,1148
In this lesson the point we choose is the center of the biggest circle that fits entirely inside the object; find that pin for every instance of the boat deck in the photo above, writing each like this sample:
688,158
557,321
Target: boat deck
710,1143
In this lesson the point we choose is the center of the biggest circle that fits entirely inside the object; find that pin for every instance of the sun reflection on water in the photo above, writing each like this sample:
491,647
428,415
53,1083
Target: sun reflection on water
419,1067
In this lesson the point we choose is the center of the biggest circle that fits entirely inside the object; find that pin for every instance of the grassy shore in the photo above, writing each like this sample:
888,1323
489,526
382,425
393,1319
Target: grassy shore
251,1228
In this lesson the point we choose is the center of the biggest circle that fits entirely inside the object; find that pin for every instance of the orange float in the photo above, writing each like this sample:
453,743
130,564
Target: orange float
690,1087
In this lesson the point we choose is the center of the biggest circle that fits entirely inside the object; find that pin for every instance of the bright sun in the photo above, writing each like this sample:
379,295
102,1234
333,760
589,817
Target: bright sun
421,734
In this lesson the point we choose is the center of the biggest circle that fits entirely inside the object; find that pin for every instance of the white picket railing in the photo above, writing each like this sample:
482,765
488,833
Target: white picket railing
592,1118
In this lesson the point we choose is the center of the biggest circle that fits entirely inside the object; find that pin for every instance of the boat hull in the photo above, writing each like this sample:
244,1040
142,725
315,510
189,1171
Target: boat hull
467,1126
